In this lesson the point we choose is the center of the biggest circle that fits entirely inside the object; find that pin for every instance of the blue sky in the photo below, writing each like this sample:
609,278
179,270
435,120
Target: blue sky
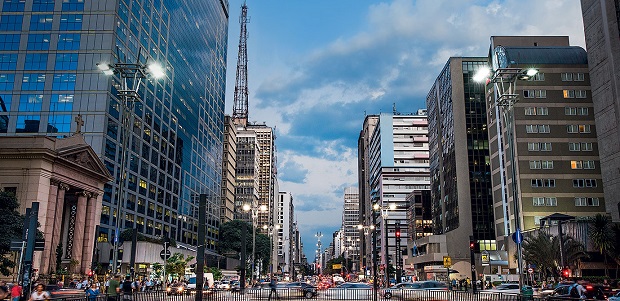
317,67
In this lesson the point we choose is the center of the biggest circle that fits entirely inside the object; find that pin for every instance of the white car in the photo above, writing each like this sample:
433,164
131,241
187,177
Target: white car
615,297
350,291
505,288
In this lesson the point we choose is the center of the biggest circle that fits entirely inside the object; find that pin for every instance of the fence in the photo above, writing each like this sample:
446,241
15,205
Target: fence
300,294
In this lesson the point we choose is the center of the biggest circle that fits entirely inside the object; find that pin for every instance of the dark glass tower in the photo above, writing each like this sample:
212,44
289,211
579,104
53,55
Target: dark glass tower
48,74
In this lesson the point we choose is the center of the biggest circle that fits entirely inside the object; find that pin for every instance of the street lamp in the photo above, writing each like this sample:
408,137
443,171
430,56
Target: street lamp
274,249
383,211
504,80
135,72
254,211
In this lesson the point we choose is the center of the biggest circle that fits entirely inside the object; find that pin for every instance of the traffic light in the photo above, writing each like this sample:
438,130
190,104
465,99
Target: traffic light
397,232
472,244
90,273
566,272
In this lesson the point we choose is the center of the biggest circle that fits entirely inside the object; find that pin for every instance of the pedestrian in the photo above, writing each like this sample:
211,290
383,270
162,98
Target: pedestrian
272,286
40,294
92,292
4,291
127,288
16,292
114,288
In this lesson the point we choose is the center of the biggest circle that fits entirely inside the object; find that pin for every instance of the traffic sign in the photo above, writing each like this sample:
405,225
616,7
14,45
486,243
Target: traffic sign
165,253
517,237
447,261
530,270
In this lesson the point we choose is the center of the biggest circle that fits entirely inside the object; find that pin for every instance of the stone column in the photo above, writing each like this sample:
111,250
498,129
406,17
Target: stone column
57,224
46,255
89,232
78,235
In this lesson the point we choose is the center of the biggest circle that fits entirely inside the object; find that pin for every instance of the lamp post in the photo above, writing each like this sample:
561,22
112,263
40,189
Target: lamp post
254,211
383,211
366,230
272,229
504,80
135,72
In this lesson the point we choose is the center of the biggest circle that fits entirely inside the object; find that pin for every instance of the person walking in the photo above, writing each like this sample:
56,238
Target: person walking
272,286
127,287
40,294
114,288
16,292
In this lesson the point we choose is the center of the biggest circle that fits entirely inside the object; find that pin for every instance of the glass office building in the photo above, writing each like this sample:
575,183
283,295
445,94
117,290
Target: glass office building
49,50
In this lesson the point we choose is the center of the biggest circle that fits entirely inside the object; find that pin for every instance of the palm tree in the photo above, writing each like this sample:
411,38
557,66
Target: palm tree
543,250
602,236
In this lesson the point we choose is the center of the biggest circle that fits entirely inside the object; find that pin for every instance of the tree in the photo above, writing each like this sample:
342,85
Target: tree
543,250
177,263
158,268
602,236
59,258
217,273
230,243
11,227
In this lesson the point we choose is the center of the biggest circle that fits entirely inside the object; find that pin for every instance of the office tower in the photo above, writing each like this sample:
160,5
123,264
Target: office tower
49,75
350,221
398,164
286,233
246,174
601,21
556,150
229,164
461,200
267,172
365,207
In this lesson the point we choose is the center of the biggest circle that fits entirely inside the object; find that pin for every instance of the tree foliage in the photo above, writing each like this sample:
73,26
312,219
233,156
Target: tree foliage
217,273
177,263
543,250
11,227
230,243
602,236
157,269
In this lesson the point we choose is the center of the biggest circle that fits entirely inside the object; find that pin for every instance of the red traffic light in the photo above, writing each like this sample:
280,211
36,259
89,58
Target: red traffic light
398,233
566,273
472,245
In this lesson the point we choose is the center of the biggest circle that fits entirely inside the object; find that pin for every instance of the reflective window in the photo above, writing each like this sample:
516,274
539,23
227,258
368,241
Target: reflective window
6,82
72,5
59,123
13,5
11,22
64,81
66,61
42,5
38,42
28,124
71,22
61,102
30,102
8,61
5,102
36,61
4,122
41,22
33,81
68,41
9,41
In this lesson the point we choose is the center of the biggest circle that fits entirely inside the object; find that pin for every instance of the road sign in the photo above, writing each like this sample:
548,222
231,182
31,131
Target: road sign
165,253
447,261
485,257
530,270
337,266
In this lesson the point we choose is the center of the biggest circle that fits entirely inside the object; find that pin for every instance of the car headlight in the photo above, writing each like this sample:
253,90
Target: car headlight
180,289
168,289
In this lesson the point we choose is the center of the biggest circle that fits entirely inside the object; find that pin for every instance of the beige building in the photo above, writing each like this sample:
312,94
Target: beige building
558,168
601,20
66,177
365,207
267,183
229,163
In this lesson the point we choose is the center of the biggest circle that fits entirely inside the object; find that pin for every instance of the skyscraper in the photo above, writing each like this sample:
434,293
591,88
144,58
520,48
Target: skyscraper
229,164
601,21
48,74
363,174
350,220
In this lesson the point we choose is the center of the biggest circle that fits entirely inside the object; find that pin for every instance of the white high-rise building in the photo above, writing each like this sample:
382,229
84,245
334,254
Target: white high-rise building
286,233
350,220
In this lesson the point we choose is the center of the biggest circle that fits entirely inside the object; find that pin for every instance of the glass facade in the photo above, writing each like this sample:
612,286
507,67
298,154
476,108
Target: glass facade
48,75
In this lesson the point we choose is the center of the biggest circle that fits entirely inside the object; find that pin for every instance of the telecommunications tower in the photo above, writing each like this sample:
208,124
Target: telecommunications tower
240,106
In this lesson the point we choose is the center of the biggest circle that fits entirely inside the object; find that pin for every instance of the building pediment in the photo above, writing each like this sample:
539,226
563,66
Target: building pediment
82,155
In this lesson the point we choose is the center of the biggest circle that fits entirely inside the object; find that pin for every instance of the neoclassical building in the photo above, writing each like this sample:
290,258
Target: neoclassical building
67,178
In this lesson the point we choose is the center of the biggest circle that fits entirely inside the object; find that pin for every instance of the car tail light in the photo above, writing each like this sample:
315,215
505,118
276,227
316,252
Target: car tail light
589,287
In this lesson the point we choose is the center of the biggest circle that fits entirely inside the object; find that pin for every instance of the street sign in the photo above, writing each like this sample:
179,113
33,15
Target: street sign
16,245
165,253
530,270
447,261
485,258
337,266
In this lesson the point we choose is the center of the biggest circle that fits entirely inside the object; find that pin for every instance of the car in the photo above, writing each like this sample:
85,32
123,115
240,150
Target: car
505,288
56,292
178,288
263,290
596,292
302,289
235,286
224,285
350,291
417,290
615,297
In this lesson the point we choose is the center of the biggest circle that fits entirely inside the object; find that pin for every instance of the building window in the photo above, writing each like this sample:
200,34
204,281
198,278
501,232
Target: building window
570,111
28,123
533,146
545,146
576,164
547,164
574,146
71,22
41,22
6,82
535,164
38,42
11,22
567,77
5,106
569,93
538,201
539,77
572,128
579,77
528,93
530,111
580,94
8,61
33,81
541,93
66,61
584,128
13,5
42,5
64,81
68,41
588,164
72,5
59,123
531,128
30,102
582,111
9,41
36,61
586,146
544,128
585,201
549,183
61,102
551,201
